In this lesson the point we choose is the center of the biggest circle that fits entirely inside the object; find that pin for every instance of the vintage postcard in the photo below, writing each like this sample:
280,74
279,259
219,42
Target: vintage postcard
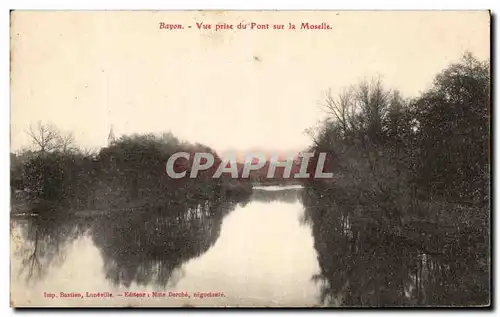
250,159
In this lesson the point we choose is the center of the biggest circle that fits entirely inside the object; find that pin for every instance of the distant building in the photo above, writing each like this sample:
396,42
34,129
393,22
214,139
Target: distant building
111,136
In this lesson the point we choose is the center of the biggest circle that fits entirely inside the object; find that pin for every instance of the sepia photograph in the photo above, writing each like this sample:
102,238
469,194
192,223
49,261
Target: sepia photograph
206,158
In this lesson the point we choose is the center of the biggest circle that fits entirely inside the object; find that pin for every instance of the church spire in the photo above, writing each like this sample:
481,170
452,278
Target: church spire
111,136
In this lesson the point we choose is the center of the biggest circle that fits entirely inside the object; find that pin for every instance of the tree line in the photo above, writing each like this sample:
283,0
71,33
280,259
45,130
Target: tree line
405,221
56,175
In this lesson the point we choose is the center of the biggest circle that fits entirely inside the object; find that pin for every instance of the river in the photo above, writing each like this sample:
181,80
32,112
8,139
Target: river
257,253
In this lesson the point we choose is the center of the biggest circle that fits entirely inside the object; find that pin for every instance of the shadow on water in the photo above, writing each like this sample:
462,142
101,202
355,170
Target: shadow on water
365,263
364,259
143,246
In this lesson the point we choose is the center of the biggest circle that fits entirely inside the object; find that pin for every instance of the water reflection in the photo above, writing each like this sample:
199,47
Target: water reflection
40,242
367,263
264,251
142,246
146,247
255,250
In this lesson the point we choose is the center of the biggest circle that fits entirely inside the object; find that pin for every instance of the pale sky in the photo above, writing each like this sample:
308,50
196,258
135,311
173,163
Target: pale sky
242,89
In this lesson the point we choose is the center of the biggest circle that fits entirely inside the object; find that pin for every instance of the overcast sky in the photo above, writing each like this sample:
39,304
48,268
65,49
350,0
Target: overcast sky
242,90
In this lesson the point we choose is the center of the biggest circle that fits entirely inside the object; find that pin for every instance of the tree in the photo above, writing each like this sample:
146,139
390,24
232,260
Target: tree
342,109
413,182
44,137
66,143
47,138
372,100
453,132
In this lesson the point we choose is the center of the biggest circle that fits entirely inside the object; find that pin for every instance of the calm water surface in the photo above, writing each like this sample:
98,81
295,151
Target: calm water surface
255,253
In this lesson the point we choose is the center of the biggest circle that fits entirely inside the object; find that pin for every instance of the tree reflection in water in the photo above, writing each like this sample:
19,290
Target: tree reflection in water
142,246
146,247
42,241
363,260
364,263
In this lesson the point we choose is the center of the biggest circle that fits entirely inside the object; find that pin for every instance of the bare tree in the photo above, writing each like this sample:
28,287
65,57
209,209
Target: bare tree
44,137
66,143
47,138
342,109
313,134
373,103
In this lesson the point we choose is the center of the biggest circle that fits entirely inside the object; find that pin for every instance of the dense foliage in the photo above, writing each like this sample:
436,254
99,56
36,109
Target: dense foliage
405,221
129,173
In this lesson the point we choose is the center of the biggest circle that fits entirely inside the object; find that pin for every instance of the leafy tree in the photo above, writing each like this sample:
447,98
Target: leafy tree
405,220
453,134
